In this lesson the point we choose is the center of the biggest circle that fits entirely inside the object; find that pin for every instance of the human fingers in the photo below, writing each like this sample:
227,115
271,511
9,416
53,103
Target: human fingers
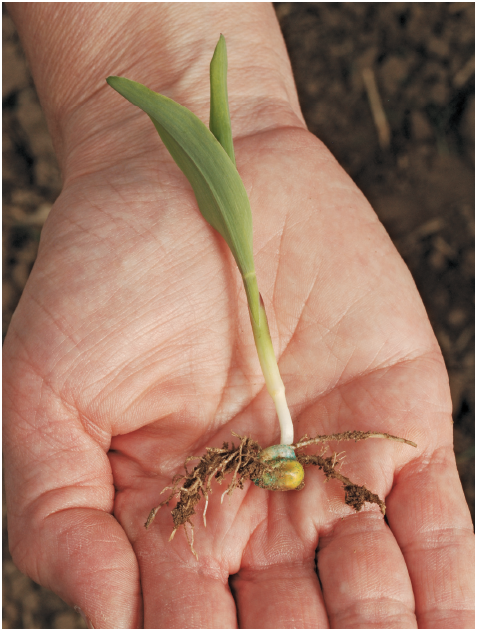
365,581
280,596
179,590
431,522
277,586
60,493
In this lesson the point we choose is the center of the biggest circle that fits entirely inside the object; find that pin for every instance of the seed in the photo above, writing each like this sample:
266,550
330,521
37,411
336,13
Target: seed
286,473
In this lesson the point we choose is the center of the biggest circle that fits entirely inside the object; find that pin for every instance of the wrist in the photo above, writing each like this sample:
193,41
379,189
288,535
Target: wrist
166,46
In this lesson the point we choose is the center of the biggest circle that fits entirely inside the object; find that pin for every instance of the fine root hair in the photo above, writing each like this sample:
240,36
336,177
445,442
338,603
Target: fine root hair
243,463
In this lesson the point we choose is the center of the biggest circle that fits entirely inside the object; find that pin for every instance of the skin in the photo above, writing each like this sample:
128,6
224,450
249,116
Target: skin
131,349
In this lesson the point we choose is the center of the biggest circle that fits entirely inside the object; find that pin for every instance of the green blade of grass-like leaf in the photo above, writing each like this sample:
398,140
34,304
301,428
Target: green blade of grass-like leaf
218,188
219,121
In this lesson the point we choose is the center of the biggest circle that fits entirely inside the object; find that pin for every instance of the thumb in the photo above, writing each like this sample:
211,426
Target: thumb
60,495
84,556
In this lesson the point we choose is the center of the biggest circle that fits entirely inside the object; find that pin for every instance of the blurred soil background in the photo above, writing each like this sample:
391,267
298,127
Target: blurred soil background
389,88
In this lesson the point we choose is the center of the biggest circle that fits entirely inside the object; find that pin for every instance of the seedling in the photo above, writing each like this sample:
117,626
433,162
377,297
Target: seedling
206,157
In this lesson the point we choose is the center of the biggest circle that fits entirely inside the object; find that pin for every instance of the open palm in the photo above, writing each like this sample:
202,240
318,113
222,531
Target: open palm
131,350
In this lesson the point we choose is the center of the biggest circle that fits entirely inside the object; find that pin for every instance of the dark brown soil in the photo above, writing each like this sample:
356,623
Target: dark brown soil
421,184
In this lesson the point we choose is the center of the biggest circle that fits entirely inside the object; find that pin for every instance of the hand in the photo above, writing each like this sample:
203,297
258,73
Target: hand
131,349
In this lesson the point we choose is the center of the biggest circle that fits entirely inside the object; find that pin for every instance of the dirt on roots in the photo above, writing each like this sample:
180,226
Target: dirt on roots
243,462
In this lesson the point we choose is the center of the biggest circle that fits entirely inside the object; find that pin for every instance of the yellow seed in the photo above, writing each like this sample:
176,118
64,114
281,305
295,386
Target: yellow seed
284,472
291,475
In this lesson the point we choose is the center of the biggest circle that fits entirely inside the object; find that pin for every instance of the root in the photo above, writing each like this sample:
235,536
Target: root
191,540
355,495
305,441
243,463
217,463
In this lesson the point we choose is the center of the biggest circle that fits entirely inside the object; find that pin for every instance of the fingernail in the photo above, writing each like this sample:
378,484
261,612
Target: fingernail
81,613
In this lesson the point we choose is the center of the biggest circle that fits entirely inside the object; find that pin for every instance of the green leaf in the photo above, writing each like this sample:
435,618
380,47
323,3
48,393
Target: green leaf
218,188
219,121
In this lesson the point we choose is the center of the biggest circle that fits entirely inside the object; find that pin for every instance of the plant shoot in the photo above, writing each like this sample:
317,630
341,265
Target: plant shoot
207,158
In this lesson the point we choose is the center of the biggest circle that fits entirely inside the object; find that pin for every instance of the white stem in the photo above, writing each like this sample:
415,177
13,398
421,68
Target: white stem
284,418
268,363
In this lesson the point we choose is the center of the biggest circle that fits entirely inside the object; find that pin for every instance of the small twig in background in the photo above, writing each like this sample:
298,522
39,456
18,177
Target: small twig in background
464,74
379,116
